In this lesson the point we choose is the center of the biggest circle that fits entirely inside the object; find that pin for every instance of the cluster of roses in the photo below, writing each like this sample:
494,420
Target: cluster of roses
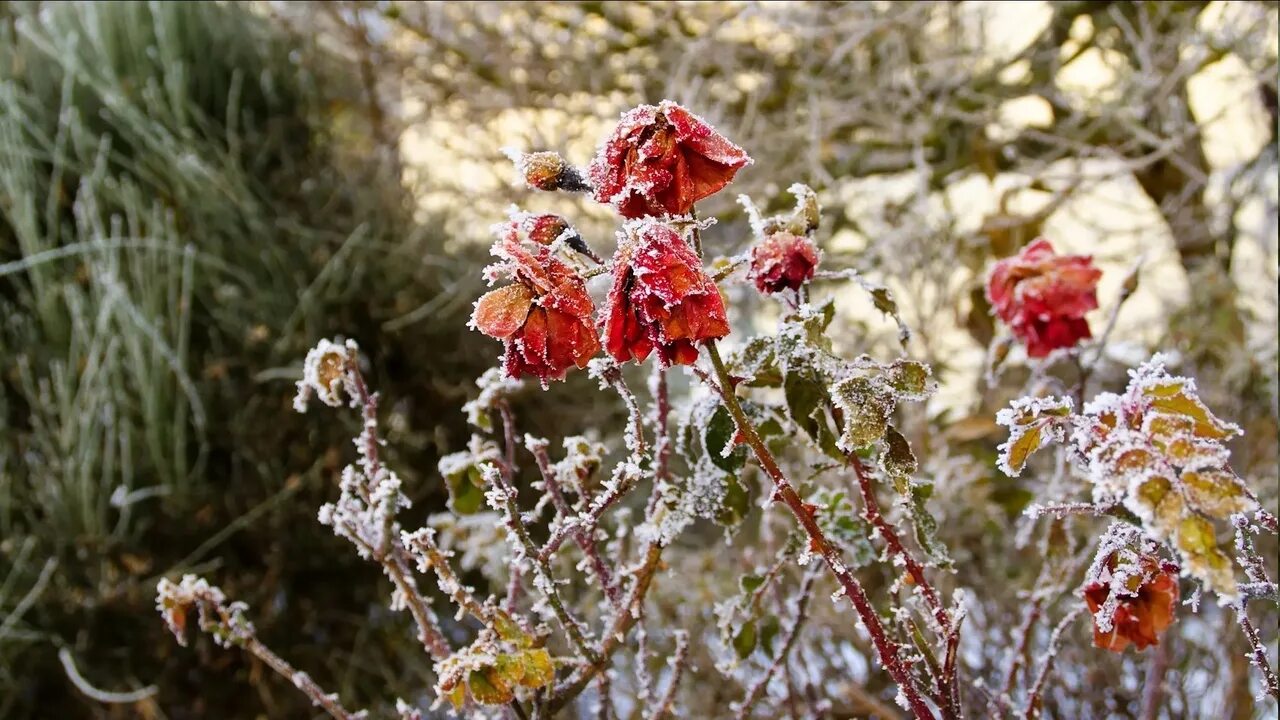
653,168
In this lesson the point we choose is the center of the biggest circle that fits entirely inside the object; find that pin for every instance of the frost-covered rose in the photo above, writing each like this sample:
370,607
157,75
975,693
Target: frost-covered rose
1043,297
783,261
543,318
1131,597
660,160
661,298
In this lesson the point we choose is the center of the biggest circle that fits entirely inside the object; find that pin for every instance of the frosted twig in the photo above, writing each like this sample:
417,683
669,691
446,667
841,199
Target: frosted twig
678,662
793,632
1033,706
93,693
584,535
228,626
1258,651
505,494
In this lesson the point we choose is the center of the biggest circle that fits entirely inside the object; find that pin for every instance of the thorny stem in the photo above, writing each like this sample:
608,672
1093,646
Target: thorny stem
583,535
232,629
393,556
886,647
547,583
793,632
1024,639
1032,708
613,638
587,521
1259,652
871,507
449,583
678,661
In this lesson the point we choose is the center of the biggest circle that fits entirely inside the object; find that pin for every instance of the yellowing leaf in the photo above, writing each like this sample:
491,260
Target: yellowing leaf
1216,493
1172,398
1201,556
488,687
1018,448
537,668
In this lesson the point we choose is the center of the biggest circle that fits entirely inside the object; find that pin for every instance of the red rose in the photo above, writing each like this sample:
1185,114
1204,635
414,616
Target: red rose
543,319
1043,297
661,298
662,159
783,261
1141,609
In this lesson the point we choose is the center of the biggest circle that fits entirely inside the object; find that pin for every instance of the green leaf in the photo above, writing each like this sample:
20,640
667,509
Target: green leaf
466,490
866,407
718,434
897,461
488,688
744,643
926,526
735,504
768,632
804,392
750,583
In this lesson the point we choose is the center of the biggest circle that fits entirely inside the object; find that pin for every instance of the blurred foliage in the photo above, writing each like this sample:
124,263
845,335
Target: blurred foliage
190,197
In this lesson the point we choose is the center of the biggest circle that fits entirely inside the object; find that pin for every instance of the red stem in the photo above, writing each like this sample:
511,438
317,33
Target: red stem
886,647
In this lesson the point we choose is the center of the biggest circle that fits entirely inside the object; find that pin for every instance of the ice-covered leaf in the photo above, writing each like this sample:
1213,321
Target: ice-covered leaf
735,504
536,668
866,406
911,380
1177,397
758,362
897,461
465,483
488,688
1201,556
718,442
842,524
926,526
1216,493
1032,423
750,583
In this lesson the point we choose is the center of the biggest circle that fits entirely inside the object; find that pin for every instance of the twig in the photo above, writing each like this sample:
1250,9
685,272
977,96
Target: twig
678,661
793,632
1032,708
1153,685
93,693
1258,651
615,635
228,626
505,493
886,647
584,536
1024,640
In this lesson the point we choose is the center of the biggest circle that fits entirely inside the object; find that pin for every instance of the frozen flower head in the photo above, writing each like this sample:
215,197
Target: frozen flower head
1131,595
547,171
1043,297
783,261
543,318
660,160
325,373
549,228
661,298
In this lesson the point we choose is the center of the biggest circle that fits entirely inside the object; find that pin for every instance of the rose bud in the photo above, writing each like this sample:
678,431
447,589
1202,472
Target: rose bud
660,160
783,261
547,228
548,171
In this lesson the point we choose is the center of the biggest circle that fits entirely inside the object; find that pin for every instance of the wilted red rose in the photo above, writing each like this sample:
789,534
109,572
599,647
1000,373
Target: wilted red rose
1043,297
661,298
661,159
1132,604
543,319
783,261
